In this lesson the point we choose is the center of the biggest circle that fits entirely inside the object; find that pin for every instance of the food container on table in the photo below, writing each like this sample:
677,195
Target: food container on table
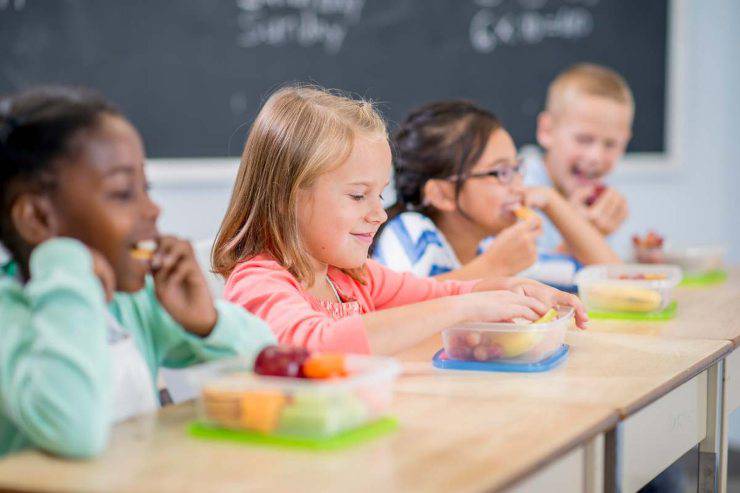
628,288
507,342
234,397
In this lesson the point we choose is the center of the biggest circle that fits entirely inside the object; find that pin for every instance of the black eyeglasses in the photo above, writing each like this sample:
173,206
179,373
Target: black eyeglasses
504,174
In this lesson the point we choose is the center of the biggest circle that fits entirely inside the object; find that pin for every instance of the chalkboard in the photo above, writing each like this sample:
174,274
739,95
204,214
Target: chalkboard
192,74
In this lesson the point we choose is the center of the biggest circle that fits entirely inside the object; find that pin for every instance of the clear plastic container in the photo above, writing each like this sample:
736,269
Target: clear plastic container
697,260
648,255
631,288
234,397
507,342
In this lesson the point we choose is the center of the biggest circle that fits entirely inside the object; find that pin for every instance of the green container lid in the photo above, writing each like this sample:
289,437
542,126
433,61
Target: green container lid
666,314
348,438
707,279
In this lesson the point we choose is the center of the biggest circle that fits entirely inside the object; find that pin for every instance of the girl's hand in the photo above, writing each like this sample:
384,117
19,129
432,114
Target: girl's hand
105,273
515,248
181,287
550,297
501,306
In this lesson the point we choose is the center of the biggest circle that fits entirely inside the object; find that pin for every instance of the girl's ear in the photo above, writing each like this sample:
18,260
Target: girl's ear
440,194
34,218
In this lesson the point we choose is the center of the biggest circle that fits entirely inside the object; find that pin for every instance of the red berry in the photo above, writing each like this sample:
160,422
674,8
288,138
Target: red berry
480,353
473,338
461,352
281,361
598,190
495,351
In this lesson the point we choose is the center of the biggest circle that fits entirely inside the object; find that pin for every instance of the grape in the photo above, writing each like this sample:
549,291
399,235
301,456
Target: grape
281,361
598,190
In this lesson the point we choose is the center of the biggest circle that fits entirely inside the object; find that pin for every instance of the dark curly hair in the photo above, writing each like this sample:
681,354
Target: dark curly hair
37,129
437,141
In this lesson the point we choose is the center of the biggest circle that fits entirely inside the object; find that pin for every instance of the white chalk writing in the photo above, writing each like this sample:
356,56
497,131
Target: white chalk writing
495,25
306,23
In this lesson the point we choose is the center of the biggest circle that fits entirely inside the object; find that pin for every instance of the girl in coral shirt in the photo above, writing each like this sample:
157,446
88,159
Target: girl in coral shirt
294,243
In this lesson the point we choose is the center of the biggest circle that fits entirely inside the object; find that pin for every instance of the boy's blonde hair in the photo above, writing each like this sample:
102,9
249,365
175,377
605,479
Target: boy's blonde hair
300,133
591,80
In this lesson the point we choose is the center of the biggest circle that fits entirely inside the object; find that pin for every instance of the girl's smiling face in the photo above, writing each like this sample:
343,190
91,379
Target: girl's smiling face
101,198
339,214
488,201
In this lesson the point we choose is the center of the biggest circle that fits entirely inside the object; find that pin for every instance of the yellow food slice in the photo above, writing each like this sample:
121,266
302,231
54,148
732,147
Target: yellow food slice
551,315
514,345
623,298
523,213
141,254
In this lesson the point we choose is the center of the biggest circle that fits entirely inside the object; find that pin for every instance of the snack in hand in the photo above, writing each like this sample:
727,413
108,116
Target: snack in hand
523,213
598,190
144,250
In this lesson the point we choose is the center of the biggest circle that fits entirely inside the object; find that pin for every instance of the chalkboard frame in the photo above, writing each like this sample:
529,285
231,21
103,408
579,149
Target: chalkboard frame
210,168
635,166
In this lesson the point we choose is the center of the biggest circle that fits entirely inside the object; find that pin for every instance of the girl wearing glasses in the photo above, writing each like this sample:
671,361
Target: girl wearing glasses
458,181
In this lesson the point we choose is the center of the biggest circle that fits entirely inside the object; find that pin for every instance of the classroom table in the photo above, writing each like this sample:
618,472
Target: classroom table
666,392
630,399
442,444
710,312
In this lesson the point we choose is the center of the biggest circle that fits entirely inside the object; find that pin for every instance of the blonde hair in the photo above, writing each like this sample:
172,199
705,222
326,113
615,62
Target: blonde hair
300,133
591,80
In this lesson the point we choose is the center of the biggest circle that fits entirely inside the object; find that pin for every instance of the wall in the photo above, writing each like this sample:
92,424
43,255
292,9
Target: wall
690,200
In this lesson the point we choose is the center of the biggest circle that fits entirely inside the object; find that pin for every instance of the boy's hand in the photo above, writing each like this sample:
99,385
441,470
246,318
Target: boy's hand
515,248
181,287
607,213
105,273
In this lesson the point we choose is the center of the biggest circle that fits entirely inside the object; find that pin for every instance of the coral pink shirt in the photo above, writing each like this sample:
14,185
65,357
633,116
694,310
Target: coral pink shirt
267,289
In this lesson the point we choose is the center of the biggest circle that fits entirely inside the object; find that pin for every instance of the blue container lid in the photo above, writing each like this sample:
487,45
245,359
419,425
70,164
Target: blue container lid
440,361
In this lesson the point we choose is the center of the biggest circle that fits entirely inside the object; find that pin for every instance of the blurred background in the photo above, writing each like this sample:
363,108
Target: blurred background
191,75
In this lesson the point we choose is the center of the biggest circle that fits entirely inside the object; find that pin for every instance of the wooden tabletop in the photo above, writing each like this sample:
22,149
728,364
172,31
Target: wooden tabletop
622,371
442,443
711,312
461,431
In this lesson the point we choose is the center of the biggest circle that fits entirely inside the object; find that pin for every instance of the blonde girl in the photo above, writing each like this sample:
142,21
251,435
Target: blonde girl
294,242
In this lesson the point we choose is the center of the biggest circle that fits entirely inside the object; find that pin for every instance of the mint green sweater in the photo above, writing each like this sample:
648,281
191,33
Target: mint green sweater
54,365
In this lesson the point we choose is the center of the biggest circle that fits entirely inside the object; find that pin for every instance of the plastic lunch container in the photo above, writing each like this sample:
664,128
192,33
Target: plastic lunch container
696,260
507,342
234,397
633,288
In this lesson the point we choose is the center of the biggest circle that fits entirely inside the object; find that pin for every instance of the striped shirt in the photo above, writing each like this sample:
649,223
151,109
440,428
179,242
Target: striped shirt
411,242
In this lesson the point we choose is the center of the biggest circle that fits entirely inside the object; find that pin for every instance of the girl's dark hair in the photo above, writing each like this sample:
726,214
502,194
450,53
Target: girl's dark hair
437,141
37,128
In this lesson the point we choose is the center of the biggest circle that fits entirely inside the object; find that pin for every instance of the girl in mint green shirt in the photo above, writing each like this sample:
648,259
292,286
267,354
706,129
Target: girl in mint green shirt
94,300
